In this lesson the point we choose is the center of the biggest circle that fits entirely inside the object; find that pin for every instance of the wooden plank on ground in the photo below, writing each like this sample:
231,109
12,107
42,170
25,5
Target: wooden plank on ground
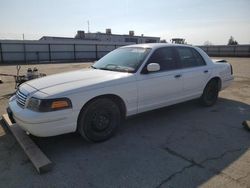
36,156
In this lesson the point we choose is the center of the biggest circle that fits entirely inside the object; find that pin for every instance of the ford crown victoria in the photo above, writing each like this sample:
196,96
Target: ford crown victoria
127,81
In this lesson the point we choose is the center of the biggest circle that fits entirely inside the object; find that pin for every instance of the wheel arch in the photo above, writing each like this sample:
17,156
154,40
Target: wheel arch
117,99
218,79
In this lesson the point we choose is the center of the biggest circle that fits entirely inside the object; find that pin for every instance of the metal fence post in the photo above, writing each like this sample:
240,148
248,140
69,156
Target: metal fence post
1,53
96,52
24,53
74,52
37,57
49,53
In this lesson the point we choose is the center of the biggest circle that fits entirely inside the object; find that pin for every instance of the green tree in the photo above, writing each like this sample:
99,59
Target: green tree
231,41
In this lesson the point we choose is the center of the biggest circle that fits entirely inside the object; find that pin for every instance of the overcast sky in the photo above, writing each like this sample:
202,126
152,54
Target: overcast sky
195,20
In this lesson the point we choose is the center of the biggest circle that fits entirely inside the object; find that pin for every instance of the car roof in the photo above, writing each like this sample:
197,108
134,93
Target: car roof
155,45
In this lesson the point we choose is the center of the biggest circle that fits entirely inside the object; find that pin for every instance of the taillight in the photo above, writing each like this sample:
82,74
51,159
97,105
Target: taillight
231,67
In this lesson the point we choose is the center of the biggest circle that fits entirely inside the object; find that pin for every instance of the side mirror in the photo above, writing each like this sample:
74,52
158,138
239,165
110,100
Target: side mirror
153,67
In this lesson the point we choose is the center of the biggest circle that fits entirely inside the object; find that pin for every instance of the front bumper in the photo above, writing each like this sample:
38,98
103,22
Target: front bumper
43,124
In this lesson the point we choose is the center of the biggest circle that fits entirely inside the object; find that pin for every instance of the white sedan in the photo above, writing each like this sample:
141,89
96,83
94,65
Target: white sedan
127,81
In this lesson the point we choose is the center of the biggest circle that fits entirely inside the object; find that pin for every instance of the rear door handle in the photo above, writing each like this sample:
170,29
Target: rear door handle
205,71
177,76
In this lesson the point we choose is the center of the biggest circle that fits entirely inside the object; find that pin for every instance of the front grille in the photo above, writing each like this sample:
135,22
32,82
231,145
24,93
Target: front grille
21,98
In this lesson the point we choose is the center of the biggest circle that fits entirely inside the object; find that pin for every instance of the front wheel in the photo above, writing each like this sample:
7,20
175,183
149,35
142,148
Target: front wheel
99,120
210,93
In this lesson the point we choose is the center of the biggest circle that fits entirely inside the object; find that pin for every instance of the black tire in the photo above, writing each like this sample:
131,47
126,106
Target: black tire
99,120
210,93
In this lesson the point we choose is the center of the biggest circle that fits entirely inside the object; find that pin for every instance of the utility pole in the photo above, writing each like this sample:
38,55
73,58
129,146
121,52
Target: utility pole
23,36
88,26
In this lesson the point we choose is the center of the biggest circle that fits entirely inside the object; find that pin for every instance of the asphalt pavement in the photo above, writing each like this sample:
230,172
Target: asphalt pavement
184,145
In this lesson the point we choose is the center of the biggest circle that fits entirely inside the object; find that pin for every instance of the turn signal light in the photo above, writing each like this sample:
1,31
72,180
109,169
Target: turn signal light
59,104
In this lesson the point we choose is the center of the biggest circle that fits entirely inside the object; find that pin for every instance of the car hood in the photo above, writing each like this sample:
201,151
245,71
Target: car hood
85,78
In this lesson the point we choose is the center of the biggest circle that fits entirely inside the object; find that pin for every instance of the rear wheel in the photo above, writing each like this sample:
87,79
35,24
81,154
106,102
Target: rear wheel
99,120
210,93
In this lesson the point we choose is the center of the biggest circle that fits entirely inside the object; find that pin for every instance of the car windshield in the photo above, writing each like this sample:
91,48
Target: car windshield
123,59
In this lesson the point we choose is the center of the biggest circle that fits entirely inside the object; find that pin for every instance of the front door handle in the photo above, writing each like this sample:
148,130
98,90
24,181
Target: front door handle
177,76
205,71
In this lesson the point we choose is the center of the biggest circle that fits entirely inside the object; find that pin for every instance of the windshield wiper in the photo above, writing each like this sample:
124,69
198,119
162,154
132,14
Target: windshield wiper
112,67
100,68
119,68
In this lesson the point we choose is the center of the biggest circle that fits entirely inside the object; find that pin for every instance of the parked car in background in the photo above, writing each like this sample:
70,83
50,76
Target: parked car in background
127,81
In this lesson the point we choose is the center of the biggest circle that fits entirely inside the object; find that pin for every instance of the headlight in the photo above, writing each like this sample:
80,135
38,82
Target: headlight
34,104
48,105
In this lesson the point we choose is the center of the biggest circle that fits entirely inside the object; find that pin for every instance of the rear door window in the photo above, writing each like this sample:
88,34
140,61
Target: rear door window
189,57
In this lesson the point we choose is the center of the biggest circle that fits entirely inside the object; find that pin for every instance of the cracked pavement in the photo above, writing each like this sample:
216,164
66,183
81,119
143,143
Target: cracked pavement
184,145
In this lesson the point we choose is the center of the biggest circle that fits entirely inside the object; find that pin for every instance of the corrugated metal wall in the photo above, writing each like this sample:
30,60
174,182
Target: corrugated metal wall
227,51
43,51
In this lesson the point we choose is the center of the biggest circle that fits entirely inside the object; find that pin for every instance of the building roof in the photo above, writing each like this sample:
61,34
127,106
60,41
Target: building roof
62,38
55,38
124,35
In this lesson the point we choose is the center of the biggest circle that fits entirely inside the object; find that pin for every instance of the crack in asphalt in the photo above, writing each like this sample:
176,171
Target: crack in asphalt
172,152
192,164
221,155
174,174
198,164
